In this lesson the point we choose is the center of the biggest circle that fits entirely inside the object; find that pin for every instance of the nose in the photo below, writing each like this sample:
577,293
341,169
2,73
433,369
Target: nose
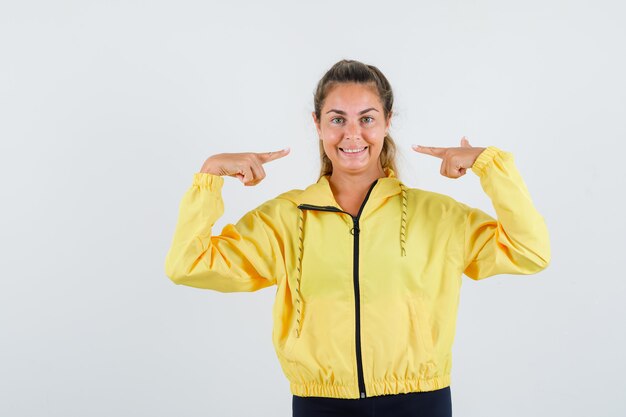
352,131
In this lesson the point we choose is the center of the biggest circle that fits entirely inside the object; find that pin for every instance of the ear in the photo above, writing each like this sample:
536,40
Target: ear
388,124
317,124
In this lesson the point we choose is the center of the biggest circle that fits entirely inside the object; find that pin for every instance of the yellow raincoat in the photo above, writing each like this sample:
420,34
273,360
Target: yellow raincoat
364,305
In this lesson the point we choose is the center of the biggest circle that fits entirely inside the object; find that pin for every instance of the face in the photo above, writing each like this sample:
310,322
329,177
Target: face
352,128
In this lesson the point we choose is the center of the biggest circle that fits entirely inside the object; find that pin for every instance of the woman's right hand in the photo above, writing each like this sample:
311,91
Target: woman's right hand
247,166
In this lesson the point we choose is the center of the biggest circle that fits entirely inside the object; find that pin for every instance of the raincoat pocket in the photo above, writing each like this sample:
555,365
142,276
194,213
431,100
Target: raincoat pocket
421,330
287,360
292,339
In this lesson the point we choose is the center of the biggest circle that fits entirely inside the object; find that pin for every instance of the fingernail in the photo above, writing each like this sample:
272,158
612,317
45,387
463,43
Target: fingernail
417,146
287,149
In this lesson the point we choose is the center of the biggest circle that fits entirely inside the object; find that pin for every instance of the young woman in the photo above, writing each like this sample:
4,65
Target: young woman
368,271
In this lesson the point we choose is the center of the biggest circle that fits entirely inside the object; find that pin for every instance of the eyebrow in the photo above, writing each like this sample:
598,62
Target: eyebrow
343,112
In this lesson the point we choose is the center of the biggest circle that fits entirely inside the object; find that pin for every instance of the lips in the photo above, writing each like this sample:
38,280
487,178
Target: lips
353,151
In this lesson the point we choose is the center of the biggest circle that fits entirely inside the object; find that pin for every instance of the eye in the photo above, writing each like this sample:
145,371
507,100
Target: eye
370,119
335,118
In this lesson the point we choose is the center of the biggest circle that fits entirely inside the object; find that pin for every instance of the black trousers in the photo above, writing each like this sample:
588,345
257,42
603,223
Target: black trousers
436,403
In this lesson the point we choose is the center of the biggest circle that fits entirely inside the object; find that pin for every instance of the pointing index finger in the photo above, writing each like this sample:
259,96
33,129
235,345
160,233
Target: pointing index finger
430,150
270,156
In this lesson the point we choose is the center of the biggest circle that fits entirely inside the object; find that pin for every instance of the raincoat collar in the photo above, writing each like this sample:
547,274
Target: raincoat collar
320,193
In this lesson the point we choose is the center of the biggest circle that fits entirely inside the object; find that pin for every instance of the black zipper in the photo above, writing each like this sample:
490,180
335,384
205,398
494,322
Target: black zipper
355,232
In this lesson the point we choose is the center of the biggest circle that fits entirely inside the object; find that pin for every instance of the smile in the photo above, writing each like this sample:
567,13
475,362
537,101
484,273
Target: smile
353,150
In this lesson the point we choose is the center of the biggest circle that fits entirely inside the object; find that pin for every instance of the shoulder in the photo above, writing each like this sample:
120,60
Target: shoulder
434,203
283,206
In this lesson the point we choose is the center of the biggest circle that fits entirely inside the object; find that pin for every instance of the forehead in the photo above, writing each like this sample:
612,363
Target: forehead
352,97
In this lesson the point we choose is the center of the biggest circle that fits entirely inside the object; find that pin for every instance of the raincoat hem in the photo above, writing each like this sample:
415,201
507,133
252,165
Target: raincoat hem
382,387
403,386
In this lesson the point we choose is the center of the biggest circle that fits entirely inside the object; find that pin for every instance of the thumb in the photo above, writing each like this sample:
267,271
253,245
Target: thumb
465,143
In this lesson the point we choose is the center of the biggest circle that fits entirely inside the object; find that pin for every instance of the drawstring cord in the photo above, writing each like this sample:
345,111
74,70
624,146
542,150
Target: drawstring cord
403,221
299,300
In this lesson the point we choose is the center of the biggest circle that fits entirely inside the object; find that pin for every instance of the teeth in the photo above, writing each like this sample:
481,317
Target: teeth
353,150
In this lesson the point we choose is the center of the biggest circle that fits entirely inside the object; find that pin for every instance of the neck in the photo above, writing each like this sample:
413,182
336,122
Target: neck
343,183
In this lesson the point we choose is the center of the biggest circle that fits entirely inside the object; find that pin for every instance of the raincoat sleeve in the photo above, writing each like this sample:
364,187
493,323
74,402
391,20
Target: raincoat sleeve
245,257
517,242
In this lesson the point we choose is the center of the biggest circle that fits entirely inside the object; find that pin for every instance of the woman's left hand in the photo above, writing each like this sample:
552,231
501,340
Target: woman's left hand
455,161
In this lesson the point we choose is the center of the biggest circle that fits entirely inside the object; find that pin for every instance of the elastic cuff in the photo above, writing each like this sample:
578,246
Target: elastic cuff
209,181
484,159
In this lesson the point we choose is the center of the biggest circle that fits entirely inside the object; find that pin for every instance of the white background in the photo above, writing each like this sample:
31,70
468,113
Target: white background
107,109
